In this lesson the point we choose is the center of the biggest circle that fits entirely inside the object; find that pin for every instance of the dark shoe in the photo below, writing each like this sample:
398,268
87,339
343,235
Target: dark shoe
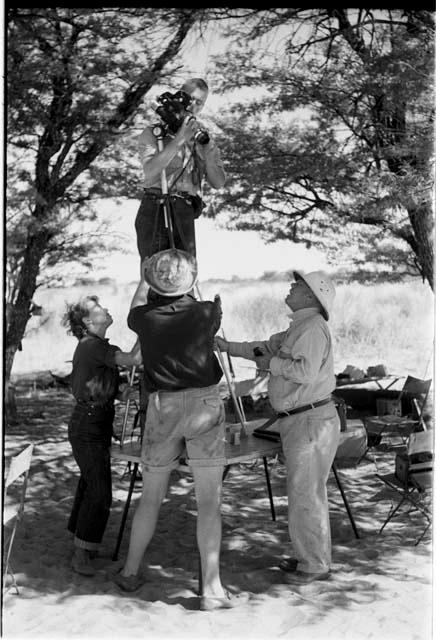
128,583
80,563
302,577
229,601
289,565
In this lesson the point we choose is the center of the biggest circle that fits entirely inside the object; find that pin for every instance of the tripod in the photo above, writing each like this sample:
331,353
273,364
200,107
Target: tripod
159,131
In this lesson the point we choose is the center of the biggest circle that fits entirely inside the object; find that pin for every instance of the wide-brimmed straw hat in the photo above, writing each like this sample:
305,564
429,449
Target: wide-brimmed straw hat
322,286
172,272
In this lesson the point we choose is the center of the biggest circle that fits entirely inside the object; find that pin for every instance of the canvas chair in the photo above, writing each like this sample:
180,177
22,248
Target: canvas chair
412,479
394,425
13,509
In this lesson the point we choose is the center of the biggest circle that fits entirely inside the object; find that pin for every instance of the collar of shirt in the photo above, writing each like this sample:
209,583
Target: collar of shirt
162,301
94,335
302,314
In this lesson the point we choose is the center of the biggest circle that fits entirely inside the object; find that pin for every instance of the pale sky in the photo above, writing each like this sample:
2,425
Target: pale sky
220,253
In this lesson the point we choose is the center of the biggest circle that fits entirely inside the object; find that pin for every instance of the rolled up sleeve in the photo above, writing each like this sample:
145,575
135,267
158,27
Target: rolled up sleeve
267,347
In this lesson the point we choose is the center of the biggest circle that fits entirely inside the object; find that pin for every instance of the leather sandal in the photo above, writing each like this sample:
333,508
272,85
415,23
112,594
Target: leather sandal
82,565
289,565
229,601
128,583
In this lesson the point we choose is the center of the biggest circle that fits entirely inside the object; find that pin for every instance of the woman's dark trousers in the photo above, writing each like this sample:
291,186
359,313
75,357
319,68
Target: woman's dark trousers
90,433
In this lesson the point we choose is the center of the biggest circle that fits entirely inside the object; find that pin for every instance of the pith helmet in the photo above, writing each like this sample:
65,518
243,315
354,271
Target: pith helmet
172,272
322,286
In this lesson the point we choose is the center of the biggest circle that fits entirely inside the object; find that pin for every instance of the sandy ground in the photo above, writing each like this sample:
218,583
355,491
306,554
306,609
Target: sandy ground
380,586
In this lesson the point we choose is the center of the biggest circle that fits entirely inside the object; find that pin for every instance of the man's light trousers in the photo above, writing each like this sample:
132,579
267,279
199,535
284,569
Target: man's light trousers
310,440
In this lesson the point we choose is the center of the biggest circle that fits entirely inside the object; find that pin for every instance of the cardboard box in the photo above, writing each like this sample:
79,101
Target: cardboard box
402,467
352,442
421,469
388,407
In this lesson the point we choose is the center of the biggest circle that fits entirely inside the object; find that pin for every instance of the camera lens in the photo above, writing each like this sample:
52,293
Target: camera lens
202,137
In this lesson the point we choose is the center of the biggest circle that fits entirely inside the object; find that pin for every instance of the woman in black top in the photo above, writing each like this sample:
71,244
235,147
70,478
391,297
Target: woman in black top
94,382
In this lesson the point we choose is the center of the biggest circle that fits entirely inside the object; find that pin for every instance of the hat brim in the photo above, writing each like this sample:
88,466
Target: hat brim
150,279
299,275
161,292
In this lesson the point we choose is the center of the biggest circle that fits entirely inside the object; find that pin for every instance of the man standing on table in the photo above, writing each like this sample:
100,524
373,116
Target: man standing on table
185,410
189,157
301,381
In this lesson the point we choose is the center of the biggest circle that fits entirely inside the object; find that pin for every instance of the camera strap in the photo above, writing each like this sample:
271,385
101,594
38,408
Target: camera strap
186,159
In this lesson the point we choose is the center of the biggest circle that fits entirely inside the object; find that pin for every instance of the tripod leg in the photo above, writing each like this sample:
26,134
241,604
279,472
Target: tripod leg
200,577
344,498
126,412
225,472
268,484
125,511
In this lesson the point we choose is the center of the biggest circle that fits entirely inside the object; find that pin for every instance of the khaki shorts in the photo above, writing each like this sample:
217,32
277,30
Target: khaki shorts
188,423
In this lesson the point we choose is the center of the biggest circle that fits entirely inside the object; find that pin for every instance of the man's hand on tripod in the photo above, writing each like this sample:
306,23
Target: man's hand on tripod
187,131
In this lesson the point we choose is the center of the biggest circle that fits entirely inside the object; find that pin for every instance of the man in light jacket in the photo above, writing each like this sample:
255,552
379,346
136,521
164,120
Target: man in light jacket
300,385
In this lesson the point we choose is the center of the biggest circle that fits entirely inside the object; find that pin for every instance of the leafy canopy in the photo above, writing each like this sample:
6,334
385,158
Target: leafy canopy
337,144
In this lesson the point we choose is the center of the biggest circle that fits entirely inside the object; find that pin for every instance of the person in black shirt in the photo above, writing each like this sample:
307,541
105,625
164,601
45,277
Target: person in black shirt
94,382
185,414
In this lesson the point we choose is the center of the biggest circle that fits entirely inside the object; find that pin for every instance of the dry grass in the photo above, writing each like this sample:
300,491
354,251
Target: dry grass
372,324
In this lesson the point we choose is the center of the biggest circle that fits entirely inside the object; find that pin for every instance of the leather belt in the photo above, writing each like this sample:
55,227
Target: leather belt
157,193
95,405
305,407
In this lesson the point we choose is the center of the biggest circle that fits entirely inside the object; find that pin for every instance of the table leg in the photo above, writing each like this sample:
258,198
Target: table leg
268,484
391,383
200,577
125,511
344,498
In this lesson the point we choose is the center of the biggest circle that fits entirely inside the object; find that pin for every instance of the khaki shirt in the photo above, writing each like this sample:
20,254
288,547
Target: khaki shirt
300,361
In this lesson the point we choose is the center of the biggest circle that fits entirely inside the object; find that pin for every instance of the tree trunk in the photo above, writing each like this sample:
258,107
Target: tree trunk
421,219
20,309
11,417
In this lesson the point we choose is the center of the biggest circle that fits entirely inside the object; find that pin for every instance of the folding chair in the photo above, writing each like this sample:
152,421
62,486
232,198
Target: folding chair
412,480
394,424
13,510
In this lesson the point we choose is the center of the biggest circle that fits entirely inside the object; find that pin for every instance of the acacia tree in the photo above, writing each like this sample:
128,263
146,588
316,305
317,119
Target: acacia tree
339,150
75,81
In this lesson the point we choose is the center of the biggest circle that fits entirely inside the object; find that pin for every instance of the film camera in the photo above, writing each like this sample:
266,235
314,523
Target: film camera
172,109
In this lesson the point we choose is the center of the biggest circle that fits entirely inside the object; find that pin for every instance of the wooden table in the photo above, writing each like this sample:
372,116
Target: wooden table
249,450
392,379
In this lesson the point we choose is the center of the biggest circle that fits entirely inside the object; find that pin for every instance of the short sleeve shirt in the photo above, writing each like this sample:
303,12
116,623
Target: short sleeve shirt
176,339
186,170
95,376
